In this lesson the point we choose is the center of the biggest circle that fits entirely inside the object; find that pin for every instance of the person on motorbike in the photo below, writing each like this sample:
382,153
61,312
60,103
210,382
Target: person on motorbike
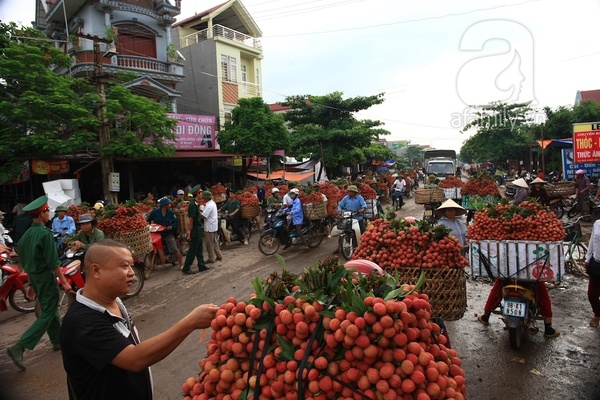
295,211
163,215
233,209
87,235
522,191
398,187
539,192
275,200
355,203
431,182
63,226
448,212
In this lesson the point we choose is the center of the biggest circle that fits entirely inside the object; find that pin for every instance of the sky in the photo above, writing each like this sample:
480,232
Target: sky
432,59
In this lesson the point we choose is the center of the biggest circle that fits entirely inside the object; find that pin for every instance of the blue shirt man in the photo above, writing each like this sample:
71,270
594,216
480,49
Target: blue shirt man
353,202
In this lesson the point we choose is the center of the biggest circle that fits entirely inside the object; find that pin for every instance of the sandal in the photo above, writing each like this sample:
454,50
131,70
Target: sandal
594,322
306,248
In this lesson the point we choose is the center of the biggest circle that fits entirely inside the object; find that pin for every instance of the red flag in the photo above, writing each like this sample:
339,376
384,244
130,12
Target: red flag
279,153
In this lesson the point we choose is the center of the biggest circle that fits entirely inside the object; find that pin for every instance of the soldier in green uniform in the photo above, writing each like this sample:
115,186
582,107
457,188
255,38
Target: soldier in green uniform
195,234
40,260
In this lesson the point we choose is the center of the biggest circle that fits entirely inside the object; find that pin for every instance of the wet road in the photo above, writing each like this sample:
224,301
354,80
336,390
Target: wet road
567,367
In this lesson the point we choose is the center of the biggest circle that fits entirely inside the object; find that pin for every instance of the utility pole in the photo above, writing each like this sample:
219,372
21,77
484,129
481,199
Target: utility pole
99,79
543,153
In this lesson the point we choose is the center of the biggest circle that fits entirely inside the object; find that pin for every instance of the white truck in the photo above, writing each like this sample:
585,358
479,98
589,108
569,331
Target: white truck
442,163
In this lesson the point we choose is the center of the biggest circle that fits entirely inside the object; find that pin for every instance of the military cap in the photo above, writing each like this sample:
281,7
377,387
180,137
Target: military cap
196,188
37,206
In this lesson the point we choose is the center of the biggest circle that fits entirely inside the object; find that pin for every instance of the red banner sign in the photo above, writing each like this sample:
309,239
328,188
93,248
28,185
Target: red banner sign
586,142
42,167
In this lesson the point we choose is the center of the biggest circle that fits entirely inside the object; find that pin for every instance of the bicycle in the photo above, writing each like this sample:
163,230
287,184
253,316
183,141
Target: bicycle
575,251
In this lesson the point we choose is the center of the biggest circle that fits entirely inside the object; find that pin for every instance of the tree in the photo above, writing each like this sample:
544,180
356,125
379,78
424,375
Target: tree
378,152
254,130
326,125
414,154
47,115
502,133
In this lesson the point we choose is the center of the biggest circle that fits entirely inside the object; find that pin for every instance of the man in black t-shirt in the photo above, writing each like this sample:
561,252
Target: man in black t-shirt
102,353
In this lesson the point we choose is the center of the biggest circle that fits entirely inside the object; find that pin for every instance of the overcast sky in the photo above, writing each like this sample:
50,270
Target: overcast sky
431,58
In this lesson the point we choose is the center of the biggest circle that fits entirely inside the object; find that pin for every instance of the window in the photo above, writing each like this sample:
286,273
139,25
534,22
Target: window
228,68
136,40
244,73
257,77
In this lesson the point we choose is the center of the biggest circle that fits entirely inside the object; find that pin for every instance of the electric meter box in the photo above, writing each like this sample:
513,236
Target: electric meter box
115,182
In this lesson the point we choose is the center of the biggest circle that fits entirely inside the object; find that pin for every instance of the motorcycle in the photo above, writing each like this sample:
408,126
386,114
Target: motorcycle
152,259
429,212
277,234
349,234
15,287
225,233
397,198
520,310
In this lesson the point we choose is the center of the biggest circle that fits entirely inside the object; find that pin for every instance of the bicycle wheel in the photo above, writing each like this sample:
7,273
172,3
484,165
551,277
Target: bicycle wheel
574,211
578,254
64,302
314,237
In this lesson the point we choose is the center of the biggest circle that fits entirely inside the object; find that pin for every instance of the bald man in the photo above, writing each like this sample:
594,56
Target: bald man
102,353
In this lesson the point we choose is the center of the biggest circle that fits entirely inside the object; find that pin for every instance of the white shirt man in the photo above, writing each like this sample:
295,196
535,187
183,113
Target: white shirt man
399,184
211,225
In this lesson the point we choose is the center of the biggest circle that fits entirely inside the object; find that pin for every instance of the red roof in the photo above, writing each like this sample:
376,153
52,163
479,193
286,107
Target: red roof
278,107
590,95
198,16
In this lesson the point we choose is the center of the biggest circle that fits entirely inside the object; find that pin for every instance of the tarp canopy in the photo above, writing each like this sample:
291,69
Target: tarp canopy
280,175
560,143
300,167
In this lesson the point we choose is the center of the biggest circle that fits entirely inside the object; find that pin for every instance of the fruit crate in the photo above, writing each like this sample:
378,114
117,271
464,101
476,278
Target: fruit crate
518,260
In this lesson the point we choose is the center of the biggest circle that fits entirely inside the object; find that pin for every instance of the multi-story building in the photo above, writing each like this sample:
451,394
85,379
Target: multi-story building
143,33
223,56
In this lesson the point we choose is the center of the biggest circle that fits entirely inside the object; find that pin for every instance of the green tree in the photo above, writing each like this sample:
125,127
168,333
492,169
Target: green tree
414,154
326,125
378,152
502,133
254,130
47,115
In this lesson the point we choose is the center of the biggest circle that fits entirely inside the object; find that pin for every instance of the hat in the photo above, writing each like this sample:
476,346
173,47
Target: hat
373,180
316,187
431,178
521,183
207,195
294,191
441,210
395,175
579,172
98,206
274,190
352,188
180,192
190,194
61,208
164,201
195,189
538,180
83,218
37,206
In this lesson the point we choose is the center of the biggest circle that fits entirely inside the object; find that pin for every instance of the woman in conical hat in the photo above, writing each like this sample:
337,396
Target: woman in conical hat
448,212
539,192
522,191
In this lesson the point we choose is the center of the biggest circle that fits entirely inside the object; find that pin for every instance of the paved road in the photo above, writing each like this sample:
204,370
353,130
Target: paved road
563,368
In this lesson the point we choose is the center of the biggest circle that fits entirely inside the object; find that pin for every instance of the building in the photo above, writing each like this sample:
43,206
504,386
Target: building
223,54
583,95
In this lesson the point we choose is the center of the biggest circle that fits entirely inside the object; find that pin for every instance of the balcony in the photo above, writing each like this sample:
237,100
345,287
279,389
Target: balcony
248,89
149,64
219,31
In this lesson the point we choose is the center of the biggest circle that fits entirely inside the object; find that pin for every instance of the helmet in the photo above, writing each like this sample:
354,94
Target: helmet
274,190
98,206
295,191
580,172
164,201
364,267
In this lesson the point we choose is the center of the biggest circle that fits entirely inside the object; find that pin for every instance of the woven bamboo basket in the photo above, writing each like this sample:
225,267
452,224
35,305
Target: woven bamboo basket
446,288
423,196
139,242
250,211
561,189
184,222
314,211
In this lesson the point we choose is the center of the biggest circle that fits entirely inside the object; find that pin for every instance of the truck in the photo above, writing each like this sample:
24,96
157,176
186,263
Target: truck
442,163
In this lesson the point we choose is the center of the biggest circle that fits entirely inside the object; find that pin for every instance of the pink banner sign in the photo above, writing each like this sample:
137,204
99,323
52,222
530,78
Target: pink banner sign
195,132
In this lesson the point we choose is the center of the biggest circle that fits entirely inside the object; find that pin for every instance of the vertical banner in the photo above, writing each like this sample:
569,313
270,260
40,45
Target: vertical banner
586,142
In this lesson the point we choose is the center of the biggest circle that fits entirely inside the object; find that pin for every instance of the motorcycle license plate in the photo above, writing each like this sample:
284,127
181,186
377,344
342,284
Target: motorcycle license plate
428,213
514,309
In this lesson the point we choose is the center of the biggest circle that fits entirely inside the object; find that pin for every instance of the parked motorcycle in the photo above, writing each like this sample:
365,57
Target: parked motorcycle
225,233
429,212
14,287
277,234
152,259
349,234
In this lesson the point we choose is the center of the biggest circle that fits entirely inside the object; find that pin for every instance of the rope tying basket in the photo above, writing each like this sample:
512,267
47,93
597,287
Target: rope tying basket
446,288
139,242
314,211
561,189
250,211
424,196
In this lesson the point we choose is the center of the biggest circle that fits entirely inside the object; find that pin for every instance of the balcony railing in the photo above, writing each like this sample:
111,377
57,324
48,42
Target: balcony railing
220,31
142,63
248,89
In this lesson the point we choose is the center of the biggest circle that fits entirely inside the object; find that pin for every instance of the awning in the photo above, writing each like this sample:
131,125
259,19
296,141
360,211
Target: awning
561,143
279,175
299,167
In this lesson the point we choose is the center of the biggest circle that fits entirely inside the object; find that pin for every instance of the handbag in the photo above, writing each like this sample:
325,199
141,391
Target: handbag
593,268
